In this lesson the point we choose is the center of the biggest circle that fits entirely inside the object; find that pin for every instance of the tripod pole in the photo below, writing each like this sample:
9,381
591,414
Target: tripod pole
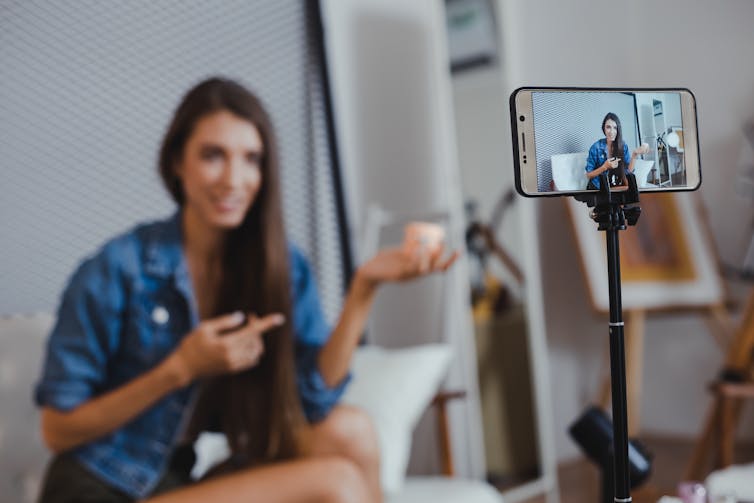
617,367
615,211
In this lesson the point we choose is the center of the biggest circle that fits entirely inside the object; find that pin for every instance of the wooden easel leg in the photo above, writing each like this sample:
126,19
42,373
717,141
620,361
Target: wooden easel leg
635,323
731,414
603,397
723,414
634,368
696,467
718,321
727,427
741,349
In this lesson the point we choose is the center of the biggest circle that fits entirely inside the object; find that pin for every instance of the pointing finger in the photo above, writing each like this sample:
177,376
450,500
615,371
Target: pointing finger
266,323
226,322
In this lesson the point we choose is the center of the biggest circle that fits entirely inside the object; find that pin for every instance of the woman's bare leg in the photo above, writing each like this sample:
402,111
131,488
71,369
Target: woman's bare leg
348,432
308,480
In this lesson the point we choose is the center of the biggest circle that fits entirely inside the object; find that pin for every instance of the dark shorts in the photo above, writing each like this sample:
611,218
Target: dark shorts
66,481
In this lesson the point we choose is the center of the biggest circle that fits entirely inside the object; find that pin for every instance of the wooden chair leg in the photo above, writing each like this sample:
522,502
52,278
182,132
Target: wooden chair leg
444,432
732,415
741,348
443,429
727,425
699,456
634,368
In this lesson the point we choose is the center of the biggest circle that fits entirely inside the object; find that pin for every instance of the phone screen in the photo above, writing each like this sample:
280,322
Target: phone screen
564,139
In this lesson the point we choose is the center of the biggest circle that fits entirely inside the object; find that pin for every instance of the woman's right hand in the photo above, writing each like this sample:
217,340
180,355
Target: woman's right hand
611,163
220,346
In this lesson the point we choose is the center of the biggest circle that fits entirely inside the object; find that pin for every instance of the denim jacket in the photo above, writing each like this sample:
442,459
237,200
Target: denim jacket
598,155
124,310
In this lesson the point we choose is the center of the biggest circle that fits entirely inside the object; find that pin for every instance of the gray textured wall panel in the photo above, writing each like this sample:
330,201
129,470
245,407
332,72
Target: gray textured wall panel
87,90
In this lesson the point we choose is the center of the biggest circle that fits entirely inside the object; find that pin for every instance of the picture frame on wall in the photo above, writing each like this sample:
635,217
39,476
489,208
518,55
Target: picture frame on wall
472,34
667,259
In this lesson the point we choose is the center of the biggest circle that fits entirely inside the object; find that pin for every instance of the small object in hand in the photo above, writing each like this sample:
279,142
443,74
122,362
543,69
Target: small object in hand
424,235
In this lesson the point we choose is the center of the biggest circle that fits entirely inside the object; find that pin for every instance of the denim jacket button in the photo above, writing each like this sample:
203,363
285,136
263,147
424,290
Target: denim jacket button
160,315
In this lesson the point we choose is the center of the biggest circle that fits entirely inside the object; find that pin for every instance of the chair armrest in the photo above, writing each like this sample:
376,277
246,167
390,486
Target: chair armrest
443,428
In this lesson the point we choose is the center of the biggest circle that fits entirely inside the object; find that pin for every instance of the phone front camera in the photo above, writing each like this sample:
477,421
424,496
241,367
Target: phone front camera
521,118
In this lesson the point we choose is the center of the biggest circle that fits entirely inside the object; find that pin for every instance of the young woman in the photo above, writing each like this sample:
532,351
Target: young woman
610,153
211,321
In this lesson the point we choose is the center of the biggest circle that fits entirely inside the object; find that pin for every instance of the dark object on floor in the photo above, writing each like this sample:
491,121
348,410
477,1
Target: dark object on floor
593,432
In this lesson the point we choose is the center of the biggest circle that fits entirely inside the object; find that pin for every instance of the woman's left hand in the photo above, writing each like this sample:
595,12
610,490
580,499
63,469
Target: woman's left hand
402,264
643,149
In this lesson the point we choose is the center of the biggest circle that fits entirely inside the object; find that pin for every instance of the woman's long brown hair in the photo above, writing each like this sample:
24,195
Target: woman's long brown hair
259,409
617,147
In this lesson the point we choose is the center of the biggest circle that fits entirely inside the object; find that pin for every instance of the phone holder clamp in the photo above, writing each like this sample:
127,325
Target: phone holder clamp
612,209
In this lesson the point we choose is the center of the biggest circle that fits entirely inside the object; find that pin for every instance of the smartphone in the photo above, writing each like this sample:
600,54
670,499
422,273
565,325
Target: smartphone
563,139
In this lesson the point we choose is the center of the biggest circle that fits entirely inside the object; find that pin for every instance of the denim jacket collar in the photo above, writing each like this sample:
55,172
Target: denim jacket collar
603,145
163,248
165,258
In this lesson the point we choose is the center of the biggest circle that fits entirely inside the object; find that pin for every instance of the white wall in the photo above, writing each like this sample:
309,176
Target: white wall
483,130
694,44
392,100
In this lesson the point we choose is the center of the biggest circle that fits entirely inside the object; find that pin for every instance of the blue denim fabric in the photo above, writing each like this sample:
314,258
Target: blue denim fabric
598,155
123,311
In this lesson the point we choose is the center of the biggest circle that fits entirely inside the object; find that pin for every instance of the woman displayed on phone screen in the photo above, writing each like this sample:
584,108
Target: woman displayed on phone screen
609,155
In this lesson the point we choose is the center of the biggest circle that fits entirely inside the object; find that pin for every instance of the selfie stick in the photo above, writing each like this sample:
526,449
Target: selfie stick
612,214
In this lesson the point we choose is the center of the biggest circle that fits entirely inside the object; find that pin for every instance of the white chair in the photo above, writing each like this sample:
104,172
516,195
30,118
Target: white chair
378,375
395,386
641,172
568,171
22,453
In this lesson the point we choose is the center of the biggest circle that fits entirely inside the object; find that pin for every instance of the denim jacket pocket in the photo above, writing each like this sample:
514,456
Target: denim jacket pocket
159,322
